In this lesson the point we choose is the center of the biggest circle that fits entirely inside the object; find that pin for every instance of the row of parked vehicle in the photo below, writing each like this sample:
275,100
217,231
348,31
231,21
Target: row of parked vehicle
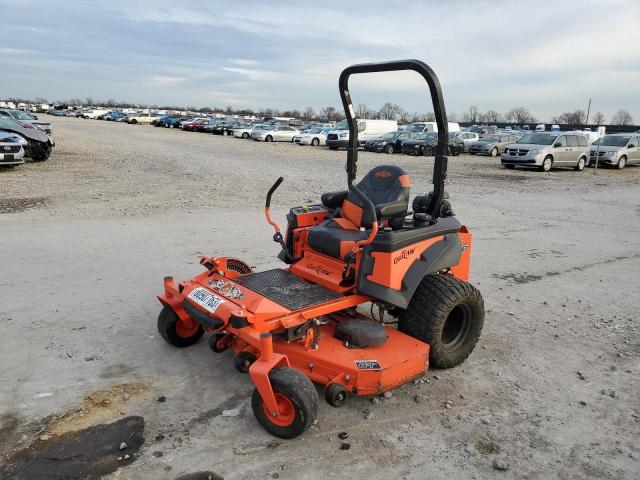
23,135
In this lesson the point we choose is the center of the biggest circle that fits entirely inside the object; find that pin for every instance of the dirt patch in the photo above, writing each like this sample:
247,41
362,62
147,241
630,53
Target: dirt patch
487,447
81,455
98,407
15,205
200,476
518,278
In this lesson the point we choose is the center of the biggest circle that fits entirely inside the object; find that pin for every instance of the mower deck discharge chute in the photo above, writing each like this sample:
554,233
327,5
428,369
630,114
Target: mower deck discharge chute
292,327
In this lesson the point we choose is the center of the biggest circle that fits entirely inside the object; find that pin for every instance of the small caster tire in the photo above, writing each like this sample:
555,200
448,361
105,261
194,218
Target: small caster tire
217,342
175,332
243,361
335,395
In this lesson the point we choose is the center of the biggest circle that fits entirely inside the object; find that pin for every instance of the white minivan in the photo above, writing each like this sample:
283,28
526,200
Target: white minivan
367,130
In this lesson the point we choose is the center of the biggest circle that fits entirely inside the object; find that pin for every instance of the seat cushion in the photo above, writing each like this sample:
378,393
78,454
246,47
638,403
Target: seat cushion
335,237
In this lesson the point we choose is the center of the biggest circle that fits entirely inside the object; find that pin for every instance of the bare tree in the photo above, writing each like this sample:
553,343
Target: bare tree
390,111
471,115
598,118
492,116
308,114
329,113
431,117
519,115
622,117
574,118
453,117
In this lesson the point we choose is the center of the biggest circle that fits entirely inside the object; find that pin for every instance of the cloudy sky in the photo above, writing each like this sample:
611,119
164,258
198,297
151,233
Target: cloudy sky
550,56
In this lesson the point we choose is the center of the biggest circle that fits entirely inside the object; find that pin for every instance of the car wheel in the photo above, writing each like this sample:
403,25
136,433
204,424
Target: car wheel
427,151
315,142
225,133
133,122
388,149
494,152
622,162
245,135
547,163
268,138
41,153
581,163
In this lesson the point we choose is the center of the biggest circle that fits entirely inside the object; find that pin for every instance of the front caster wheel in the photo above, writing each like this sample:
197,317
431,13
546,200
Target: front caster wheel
297,401
217,342
176,332
335,395
243,361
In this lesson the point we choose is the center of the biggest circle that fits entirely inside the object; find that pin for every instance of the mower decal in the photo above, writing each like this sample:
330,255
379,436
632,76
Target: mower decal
368,364
205,299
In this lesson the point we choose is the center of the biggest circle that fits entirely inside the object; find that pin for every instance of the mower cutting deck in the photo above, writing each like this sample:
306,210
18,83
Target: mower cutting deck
292,327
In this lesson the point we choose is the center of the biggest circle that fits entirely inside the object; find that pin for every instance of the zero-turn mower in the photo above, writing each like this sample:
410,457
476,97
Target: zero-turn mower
295,326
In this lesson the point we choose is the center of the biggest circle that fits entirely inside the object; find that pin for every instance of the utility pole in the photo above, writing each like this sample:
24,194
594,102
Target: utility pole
588,111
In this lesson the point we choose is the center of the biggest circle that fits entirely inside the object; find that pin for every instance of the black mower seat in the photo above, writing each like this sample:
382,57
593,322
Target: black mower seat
387,186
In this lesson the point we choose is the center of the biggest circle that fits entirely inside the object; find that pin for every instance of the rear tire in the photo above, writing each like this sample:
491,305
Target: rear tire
268,138
494,152
388,149
581,163
315,142
297,399
448,314
427,151
245,135
172,333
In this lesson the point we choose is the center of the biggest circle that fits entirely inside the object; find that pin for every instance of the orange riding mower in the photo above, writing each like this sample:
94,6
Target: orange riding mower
298,325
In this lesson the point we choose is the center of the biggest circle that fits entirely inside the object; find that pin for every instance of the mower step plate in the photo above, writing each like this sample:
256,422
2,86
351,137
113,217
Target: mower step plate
286,289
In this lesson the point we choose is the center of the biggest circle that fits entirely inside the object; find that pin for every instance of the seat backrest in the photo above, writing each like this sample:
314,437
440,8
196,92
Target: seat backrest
384,184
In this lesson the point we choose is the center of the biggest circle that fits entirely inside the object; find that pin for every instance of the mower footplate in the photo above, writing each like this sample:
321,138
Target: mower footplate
287,289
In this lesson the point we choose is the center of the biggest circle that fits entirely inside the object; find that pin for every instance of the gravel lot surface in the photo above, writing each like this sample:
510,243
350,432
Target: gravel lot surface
551,390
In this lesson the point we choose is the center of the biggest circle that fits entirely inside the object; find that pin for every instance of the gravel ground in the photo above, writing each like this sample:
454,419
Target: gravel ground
551,391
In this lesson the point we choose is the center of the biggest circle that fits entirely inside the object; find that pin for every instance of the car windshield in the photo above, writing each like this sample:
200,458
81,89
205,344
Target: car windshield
427,136
491,138
390,135
538,139
453,136
17,114
612,141
314,130
6,122
343,125
415,127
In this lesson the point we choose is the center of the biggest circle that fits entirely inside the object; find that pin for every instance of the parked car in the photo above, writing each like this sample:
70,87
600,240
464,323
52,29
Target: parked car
389,142
11,150
25,119
224,128
618,149
547,150
492,145
197,124
94,113
142,118
425,144
277,133
424,127
169,121
209,125
367,130
245,132
39,144
314,136
468,138
420,145
113,116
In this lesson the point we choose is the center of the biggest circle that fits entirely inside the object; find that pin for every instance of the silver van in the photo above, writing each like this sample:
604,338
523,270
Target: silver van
546,150
618,149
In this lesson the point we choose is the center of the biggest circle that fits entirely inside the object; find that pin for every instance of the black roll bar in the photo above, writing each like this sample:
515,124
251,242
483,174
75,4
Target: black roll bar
440,164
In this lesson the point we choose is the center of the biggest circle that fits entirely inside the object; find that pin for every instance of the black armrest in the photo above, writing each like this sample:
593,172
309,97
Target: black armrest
333,199
392,209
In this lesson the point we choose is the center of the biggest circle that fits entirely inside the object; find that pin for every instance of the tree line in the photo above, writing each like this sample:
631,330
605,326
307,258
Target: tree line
388,111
